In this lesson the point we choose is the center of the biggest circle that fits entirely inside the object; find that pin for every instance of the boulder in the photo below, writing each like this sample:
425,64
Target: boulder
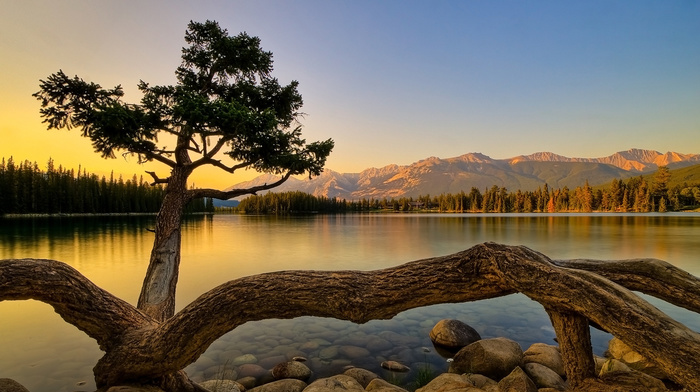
547,355
10,385
622,352
517,381
494,358
221,386
483,382
379,385
336,383
291,369
288,385
447,382
453,334
362,376
544,377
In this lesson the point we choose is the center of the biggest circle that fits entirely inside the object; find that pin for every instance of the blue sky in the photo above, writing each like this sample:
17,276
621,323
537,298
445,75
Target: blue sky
389,81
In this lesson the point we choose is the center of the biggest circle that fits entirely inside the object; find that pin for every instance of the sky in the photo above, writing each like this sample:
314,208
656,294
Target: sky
392,81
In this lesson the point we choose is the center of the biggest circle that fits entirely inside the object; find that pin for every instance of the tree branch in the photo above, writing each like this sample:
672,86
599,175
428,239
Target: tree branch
225,195
650,276
76,299
156,179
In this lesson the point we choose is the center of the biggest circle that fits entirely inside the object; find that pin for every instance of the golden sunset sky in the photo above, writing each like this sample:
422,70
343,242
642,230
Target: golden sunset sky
390,81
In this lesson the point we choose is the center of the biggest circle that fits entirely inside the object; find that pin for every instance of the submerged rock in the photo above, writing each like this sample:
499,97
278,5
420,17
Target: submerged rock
395,366
291,369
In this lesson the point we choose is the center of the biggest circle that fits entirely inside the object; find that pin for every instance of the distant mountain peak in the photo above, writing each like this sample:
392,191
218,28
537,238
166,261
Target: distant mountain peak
435,175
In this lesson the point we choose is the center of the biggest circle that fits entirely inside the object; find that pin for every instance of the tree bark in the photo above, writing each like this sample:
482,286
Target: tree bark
149,350
574,336
157,297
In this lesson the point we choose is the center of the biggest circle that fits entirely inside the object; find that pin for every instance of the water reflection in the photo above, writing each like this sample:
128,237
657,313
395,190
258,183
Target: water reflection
113,252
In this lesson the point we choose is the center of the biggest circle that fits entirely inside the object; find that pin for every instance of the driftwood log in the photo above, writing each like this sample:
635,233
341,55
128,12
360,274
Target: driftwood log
139,349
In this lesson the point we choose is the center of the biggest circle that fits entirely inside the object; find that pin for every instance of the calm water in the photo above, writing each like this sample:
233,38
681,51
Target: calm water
44,353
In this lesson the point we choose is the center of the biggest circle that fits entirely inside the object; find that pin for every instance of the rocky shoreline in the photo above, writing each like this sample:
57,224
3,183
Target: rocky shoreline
473,365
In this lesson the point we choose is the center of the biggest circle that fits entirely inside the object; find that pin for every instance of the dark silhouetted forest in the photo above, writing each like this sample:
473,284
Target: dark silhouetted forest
27,189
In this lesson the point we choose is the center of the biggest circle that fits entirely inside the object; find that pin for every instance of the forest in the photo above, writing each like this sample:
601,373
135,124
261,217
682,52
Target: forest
638,194
26,189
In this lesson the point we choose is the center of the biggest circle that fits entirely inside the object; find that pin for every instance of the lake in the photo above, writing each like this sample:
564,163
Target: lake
41,351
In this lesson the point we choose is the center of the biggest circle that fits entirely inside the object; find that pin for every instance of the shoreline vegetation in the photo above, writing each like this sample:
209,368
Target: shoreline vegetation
25,190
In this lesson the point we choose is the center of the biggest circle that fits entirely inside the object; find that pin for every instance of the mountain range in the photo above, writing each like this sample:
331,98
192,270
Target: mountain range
434,176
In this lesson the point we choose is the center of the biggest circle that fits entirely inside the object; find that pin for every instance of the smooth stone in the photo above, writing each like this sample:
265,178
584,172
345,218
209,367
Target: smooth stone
447,382
244,359
353,352
482,382
221,385
544,377
362,376
547,355
517,381
129,388
287,385
248,382
10,385
622,352
335,383
309,346
379,385
494,358
328,352
251,370
453,334
378,344
395,366
291,369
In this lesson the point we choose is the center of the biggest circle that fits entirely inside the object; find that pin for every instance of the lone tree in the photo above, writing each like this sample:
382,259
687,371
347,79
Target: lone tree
225,102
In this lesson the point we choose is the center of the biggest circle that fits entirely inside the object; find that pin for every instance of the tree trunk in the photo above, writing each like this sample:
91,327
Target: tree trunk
574,336
157,298
141,350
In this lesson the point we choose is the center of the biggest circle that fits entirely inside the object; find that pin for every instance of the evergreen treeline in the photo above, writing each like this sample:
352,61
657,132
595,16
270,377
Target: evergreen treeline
25,189
637,194
291,202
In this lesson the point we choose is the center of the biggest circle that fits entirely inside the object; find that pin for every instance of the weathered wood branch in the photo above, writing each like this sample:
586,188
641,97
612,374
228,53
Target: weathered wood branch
571,296
76,299
650,276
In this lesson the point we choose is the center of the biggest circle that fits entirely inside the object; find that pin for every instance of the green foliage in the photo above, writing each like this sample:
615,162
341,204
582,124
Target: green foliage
225,101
